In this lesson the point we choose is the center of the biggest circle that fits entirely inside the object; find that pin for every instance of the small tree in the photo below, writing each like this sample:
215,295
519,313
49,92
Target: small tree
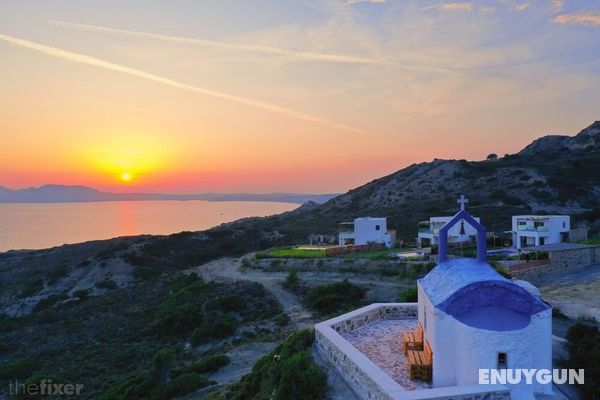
292,281
492,156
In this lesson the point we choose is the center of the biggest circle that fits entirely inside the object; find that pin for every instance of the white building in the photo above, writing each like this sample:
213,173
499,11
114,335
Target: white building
539,230
473,318
429,232
367,230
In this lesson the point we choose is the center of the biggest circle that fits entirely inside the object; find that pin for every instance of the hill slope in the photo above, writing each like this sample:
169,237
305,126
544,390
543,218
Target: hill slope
554,174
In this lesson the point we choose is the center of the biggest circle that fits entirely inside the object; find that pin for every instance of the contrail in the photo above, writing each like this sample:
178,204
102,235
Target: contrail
84,59
224,45
338,58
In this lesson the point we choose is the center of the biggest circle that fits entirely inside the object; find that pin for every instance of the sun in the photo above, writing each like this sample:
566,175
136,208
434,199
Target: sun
126,176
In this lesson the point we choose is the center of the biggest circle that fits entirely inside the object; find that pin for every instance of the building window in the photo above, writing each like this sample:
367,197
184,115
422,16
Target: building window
538,224
376,227
522,223
502,361
564,224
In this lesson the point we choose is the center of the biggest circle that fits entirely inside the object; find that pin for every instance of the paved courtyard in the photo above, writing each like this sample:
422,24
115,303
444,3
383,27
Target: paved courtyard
381,342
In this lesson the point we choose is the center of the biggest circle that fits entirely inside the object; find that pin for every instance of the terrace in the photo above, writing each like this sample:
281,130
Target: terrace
366,347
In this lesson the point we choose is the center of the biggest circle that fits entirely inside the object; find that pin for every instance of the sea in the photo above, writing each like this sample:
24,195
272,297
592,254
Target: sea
43,225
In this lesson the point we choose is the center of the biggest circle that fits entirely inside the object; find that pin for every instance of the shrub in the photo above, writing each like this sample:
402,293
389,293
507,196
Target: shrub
206,364
180,386
49,301
181,312
409,295
59,272
287,373
584,353
179,320
215,328
142,272
31,287
500,269
18,369
162,363
7,323
282,319
82,294
107,284
335,297
232,302
291,281
301,378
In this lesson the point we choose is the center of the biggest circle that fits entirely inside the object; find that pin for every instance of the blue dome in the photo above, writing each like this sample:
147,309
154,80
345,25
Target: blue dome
475,294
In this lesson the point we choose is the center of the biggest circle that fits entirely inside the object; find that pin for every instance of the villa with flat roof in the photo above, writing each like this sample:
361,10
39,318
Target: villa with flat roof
367,230
468,317
540,230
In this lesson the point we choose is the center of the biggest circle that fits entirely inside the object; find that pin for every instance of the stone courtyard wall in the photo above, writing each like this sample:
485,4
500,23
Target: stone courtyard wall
367,380
561,260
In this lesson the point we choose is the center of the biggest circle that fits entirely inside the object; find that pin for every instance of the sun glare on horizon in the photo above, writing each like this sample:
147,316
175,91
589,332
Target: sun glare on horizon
126,177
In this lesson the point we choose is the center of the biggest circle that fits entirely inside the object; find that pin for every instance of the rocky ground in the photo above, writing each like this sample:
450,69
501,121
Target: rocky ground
576,293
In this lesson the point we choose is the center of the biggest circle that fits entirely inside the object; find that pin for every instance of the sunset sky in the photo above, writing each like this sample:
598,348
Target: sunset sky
280,95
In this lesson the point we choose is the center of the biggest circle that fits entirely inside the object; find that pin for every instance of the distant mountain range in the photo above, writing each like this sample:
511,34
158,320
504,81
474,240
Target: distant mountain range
78,194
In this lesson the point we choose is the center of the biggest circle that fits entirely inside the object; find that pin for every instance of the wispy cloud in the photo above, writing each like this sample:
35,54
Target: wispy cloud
339,58
521,6
277,51
458,6
366,1
85,59
591,18
487,10
557,5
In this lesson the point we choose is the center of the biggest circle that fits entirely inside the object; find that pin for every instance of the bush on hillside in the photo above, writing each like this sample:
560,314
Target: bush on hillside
18,369
287,373
291,281
230,303
210,363
409,295
49,301
107,284
335,297
215,327
584,353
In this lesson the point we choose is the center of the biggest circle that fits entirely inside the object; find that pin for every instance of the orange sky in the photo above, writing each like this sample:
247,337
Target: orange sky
306,97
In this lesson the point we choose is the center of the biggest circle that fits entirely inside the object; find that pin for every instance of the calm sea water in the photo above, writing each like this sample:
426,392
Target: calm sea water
41,225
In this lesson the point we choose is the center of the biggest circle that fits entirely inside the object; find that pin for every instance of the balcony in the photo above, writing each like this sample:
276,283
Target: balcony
531,228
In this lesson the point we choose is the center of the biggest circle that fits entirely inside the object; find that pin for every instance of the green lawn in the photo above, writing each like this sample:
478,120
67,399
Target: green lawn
293,252
595,241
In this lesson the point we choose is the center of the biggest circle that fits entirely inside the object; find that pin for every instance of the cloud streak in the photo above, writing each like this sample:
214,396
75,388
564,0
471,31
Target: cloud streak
339,58
458,6
583,18
366,1
88,60
275,51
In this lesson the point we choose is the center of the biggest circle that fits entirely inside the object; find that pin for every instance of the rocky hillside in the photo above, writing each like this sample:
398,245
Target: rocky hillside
554,174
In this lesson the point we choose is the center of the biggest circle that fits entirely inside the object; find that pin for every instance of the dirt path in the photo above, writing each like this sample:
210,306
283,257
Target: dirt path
227,268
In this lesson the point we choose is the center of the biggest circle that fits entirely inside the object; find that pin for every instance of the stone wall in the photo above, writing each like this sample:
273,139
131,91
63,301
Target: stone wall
367,380
562,260
573,258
